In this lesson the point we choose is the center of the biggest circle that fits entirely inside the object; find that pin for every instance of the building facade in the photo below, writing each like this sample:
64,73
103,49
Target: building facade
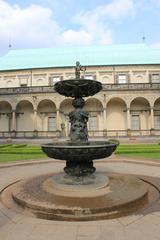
128,105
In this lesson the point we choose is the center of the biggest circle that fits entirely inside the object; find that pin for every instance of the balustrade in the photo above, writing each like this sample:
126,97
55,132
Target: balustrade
106,87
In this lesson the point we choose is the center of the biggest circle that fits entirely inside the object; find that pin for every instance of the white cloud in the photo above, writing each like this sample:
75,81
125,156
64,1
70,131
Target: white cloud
97,22
115,10
28,27
79,37
36,26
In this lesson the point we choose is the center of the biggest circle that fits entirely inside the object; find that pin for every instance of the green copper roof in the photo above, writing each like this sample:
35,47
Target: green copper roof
123,54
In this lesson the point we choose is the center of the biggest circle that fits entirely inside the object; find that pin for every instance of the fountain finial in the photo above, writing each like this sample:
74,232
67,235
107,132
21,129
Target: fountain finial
79,69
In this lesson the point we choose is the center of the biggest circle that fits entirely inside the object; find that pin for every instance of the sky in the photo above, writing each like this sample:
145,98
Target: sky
57,23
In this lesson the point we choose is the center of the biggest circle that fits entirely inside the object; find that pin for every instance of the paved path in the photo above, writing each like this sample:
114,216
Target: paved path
14,226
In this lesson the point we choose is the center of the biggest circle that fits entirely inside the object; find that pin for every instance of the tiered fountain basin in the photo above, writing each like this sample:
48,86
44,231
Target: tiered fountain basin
79,153
79,156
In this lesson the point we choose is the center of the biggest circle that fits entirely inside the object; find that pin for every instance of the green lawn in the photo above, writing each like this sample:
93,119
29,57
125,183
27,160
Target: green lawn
18,152
151,151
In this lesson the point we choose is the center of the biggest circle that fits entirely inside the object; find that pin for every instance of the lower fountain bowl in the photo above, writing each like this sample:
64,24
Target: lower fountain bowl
79,156
87,151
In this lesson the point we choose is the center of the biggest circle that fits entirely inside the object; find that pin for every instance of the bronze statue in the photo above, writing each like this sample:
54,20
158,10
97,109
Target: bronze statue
79,69
78,119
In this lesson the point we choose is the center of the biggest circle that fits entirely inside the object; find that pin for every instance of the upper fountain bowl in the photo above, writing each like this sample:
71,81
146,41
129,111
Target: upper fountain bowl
78,88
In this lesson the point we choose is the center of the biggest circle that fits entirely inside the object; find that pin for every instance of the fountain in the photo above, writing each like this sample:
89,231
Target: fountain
80,193
79,153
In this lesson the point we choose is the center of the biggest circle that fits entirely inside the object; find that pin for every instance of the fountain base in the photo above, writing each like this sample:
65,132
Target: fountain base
57,197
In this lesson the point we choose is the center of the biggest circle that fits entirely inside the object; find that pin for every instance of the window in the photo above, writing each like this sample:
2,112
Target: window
92,123
155,78
91,77
23,85
55,79
122,78
23,80
135,122
51,124
157,122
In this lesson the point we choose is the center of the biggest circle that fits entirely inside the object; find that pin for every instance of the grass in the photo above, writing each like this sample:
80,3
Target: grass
151,151
17,152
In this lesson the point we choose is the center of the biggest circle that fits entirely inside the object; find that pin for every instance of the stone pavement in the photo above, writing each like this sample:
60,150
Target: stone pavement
16,226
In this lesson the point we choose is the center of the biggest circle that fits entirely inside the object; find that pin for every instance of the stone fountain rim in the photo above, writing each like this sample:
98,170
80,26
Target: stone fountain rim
76,82
80,145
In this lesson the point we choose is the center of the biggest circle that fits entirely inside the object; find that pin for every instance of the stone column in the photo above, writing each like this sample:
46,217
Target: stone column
43,118
104,119
35,119
128,123
152,117
128,119
13,127
104,123
58,119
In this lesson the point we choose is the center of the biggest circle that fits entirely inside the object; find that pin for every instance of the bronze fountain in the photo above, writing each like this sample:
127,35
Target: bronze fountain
79,152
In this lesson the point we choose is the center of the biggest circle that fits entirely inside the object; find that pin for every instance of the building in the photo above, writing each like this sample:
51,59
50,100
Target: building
128,105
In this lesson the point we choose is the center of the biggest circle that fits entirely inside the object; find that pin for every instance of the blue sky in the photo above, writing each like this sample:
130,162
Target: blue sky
54,23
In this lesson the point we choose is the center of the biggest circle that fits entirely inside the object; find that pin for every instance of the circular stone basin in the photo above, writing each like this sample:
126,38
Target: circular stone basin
78,87
79,151
46,198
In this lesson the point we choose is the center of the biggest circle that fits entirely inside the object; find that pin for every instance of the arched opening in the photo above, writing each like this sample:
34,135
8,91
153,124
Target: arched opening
65,108
25,116
157,114
46,116
95,110
140,114
5,116
116,118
